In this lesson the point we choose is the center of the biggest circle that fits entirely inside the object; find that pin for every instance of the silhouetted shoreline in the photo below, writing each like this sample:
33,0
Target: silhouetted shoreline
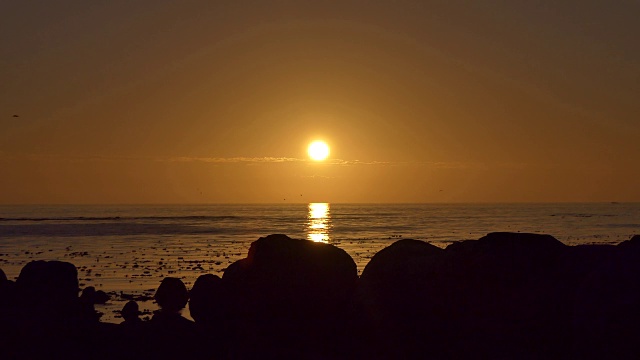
504,296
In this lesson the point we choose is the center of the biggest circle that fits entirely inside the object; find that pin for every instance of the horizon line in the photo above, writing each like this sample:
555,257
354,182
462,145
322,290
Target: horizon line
327,202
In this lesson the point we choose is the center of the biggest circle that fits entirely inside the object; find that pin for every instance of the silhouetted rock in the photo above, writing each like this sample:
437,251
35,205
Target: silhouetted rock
8,319
51,320
486,298
49,290
632,244
207,299
7,293
574,266
607,307
509,295
292,298
209,306
101,297
403,288
170,335
87,302
130,313
172,295
132,338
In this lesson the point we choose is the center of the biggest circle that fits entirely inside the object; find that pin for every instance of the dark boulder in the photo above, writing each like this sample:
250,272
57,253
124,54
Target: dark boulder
487,298
208,299
51,321
131,314
101,297
574,267
8,319
607,306
172,295
7,294
506,306
403,289
49,290
292,298
169,335
631,245
209,305
87,302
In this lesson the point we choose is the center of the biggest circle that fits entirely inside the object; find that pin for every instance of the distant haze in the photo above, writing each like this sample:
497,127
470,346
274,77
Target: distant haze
420,101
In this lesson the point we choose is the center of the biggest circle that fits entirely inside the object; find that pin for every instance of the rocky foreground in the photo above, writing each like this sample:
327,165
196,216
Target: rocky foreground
504,296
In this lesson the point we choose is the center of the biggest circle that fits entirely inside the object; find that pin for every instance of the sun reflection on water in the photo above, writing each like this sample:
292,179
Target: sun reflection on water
319,222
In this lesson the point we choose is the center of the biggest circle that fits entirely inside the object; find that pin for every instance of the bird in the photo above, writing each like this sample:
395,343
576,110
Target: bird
15,115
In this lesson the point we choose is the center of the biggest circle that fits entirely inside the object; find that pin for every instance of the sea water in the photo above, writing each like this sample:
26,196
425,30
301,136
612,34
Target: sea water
127,250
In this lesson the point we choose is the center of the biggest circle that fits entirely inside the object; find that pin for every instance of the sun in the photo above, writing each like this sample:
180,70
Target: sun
318,150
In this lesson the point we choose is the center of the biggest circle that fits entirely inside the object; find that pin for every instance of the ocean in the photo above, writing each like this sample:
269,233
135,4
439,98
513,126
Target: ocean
127,250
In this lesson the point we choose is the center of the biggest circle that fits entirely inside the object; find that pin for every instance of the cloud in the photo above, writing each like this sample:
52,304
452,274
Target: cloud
231,160
317,177
460,165
67,158
355,162
90,158
244,160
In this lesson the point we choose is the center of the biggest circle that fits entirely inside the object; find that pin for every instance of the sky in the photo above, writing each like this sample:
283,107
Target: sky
420,101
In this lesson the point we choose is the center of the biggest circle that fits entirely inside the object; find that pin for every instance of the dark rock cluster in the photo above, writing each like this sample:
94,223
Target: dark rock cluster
504,296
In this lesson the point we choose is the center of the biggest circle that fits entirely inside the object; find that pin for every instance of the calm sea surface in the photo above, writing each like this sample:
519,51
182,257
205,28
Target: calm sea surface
131,248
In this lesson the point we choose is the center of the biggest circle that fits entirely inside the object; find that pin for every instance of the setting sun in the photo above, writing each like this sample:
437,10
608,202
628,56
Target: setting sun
318,150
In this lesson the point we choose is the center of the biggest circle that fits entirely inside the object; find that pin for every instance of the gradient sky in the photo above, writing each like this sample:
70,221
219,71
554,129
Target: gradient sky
420,101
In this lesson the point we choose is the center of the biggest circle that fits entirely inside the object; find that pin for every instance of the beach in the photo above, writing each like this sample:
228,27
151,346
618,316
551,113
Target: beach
127,250
127,271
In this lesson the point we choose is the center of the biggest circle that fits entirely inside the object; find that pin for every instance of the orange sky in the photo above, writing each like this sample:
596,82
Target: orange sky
216,102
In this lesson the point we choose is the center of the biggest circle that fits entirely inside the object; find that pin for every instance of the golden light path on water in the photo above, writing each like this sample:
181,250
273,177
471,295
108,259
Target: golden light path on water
319,222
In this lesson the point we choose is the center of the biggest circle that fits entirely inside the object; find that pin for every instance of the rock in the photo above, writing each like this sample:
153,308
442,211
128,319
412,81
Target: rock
607,306
289,268
402,289
101,297
209,305
208,300
170,335
7,300
48,288
172,294
574,267
292,297
51,316
88,294
404,256
131,312
487,298
632,244
508,295
87,311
